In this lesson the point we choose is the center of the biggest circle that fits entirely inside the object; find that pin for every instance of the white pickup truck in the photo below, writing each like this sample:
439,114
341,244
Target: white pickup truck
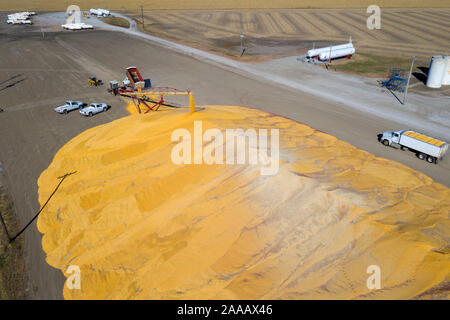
69,106
19,21
93,108
425,147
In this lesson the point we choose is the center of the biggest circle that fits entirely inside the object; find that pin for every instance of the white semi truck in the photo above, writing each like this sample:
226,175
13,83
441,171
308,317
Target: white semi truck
425,147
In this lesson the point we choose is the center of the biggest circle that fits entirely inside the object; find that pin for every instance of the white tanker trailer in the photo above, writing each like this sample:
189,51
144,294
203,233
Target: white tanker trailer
338,51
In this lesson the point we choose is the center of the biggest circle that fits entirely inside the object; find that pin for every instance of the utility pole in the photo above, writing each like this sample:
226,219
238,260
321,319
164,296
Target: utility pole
42,31
61,180
142,17
242,43
409,78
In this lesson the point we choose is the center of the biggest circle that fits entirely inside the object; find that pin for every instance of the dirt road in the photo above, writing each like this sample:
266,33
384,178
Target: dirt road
40,74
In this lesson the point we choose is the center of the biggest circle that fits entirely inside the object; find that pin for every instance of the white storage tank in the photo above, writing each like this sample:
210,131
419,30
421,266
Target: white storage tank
437,71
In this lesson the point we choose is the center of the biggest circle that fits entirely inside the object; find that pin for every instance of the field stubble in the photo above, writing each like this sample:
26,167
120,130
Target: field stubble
281,32
55,5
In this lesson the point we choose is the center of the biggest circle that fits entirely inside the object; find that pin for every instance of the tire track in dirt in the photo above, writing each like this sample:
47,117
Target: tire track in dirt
381,37
203,16
237,21
249,23
305,21
286,25
438,14
383,34
209,25
398,27
221,19
430,22
277,26
297,27
90,64
324,24
353,29
310,25
425,29
263,29
195,29
168,19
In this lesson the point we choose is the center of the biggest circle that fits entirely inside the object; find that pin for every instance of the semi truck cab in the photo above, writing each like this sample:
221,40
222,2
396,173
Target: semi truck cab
390,137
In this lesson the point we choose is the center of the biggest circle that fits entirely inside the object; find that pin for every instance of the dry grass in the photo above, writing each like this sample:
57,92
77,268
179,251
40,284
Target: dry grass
116,21
58,5
376,66
11,256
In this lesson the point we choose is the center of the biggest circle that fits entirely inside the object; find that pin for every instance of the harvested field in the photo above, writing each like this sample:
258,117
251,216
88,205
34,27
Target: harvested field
217,4
287,32
116,21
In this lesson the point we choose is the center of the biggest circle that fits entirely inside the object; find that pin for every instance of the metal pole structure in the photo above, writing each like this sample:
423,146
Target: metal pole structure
329,60
62,178
142,17
242,38
42,31
242,43
409,78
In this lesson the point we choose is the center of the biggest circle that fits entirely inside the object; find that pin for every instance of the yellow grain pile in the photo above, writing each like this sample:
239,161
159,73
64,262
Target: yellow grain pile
141,227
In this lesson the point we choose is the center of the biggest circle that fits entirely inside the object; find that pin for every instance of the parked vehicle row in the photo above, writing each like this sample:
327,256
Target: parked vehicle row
19,22
20,18
84,109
